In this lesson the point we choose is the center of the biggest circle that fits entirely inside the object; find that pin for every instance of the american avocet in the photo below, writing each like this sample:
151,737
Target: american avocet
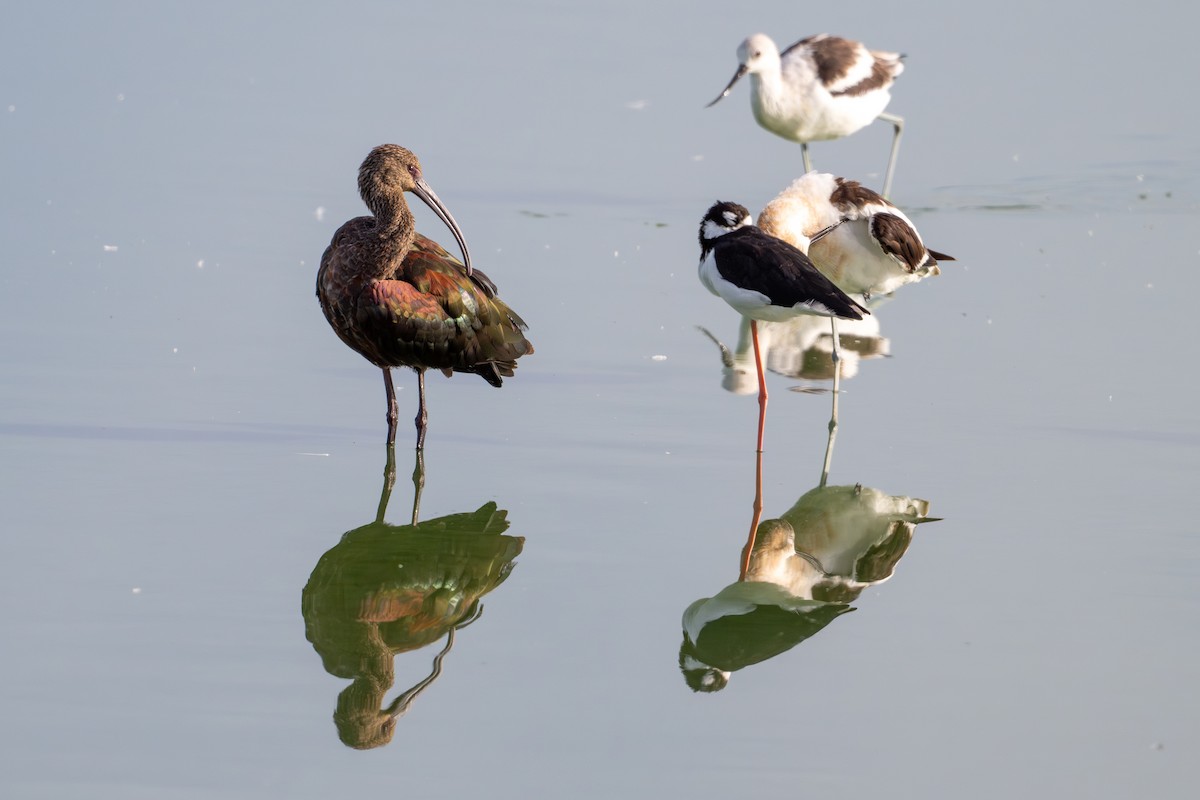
400,300
823,87
859,240
866,246
764,278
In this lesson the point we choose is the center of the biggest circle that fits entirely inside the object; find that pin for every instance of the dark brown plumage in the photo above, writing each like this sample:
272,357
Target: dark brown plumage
400,299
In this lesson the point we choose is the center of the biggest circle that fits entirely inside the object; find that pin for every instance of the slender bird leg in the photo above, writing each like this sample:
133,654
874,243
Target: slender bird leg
389,480
422,419
898,123
758,507
833,419
807,160
392,414
418,479
762,384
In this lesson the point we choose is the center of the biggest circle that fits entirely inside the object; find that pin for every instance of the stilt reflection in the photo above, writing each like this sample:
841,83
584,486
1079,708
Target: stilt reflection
390,589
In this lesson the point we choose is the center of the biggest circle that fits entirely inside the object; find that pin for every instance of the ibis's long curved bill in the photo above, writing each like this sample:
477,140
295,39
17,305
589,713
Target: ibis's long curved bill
430,198
737,76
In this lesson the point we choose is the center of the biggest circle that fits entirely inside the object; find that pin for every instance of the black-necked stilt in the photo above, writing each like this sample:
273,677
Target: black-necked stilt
823,87
400,300
764,278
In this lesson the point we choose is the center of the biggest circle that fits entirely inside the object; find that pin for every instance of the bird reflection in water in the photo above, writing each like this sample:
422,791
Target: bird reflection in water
799,573
803,348
799,348
389,589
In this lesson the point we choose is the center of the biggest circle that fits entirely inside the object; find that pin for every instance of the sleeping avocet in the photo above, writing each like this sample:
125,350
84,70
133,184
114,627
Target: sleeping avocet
866,245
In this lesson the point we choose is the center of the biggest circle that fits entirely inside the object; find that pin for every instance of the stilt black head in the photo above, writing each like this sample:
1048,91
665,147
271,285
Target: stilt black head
722,218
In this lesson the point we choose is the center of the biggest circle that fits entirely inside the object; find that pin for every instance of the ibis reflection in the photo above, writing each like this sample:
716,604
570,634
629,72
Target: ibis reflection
388,589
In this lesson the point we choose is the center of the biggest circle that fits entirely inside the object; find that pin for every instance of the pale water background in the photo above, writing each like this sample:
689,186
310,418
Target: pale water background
183,437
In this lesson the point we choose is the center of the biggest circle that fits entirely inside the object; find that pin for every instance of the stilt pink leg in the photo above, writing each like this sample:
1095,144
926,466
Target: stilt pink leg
758,507
762,384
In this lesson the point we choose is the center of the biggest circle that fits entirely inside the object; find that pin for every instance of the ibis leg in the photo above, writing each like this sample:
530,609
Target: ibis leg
422,419
392,414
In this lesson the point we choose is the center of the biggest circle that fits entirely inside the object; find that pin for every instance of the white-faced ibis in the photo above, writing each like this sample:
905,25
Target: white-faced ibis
823,87
400,300
764,278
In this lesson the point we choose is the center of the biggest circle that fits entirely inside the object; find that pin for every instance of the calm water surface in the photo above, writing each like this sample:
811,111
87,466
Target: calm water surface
187,447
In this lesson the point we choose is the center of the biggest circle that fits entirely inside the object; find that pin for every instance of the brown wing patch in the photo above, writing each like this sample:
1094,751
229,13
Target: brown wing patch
849,195
833,56
897,238
881,76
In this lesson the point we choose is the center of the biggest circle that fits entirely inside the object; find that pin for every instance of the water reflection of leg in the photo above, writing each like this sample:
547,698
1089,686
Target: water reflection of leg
754,520
418,478
389,480
833,418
